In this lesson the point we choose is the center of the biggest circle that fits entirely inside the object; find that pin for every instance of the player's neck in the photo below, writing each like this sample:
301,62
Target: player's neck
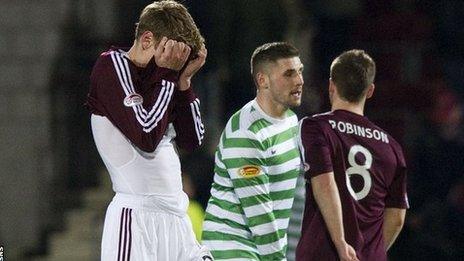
139,56
357,108
271,109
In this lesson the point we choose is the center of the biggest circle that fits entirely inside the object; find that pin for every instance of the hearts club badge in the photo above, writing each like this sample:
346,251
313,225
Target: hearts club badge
133,99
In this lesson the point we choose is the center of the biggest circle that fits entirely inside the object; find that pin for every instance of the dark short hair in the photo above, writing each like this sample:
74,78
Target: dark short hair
352,72
271,52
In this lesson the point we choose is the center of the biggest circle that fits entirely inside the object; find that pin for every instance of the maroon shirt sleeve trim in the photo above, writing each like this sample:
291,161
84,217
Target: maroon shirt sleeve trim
309,175
397,204
187,123
94,106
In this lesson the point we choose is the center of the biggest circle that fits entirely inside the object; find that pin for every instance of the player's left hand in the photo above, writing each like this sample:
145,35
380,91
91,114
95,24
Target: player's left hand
192,67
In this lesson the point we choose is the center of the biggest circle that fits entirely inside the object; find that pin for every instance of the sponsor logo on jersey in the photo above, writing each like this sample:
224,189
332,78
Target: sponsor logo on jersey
133,99
249,171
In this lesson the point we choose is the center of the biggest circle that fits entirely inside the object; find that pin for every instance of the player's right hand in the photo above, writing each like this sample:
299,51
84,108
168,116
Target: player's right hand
171,54
346,252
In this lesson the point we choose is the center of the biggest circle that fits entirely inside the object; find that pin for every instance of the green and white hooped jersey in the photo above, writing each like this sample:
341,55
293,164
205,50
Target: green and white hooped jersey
257,163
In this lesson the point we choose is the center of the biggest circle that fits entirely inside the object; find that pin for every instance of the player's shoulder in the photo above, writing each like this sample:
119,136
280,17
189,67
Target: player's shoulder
396,149
393,142
240,121
236,133
251,122
103,63
320,120
319,117
107,58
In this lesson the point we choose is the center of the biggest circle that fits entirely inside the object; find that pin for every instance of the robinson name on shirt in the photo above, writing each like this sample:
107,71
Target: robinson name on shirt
350,128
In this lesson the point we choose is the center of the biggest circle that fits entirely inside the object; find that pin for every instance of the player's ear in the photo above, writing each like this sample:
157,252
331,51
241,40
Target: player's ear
370,91
147,40
331,86
263,80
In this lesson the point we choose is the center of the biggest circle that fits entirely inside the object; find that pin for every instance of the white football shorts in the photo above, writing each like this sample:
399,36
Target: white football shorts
136,230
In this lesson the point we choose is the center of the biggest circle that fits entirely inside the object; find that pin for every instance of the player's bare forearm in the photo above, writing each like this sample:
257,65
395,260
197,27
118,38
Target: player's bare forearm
325,192
393,221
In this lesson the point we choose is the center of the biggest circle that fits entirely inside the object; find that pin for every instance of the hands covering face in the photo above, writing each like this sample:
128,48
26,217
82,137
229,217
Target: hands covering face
195,64
173,55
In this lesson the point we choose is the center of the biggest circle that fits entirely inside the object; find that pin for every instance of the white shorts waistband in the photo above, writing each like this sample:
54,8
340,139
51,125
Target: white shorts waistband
176,204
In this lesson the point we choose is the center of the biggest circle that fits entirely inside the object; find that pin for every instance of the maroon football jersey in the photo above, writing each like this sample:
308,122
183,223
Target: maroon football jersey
370,172
141,102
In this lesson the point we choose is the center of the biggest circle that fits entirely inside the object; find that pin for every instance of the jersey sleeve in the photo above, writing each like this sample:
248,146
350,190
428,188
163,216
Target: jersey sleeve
244,162
397,193
142,124
187,123
314,148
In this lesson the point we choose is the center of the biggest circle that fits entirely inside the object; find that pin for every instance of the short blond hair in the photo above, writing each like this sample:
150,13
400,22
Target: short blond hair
171,19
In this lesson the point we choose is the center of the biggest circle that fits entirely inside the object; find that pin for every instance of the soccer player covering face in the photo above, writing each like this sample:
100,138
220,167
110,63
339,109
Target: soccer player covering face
257,163
143,106
356,173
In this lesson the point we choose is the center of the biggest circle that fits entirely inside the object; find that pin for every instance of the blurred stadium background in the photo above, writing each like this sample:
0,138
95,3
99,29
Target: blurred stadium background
54,190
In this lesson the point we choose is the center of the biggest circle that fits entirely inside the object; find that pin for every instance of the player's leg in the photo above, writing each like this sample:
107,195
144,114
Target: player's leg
112,237
129,234
153,233
168,236
140,234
